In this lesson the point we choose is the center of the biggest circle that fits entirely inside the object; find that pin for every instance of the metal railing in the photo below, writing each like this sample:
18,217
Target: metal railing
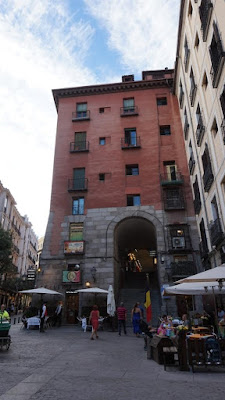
217,64
223,129
173,203
216,233
186,128
200,131
127,111
205,12
182,269
186,59
131,143
191,164
181,98
79,146
80,115
172,179
208,178
193,91
77,184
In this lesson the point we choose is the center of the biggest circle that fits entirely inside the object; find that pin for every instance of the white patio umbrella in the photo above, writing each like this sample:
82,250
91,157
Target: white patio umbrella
194,288
92,290
111,305
211,275
41,290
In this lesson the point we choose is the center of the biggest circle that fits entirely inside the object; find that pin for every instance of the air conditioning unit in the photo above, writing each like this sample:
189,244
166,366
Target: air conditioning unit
178,242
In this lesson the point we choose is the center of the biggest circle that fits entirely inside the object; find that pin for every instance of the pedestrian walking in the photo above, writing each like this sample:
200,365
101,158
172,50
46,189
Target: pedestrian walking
43,314
135,318
93,320
58,314
122,316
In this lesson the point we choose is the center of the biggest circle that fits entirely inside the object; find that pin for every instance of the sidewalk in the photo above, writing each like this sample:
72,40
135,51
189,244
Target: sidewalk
64,364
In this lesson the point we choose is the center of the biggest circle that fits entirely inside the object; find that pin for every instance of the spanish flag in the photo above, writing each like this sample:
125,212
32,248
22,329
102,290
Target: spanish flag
148,304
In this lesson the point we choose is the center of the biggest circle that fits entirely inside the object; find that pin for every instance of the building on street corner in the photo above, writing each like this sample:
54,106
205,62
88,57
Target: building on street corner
121,201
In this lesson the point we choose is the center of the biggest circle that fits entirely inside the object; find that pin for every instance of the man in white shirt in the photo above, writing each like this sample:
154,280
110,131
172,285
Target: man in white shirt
58,314
42,316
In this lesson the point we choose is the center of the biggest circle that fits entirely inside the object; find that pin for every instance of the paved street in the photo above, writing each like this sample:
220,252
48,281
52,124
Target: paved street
64,363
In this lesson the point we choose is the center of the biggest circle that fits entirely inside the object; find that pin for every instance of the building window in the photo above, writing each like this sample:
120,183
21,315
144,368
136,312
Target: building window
128,105
197,200
214,128
76,232
196,40
193,88
208,176
101,177
217,56
79,178
78,206
80,141
186,54
171,173
132,169
131,137
186,124
181,95
133,200
205,12
102,141
101,110
203,244
200,130
161,101
177,235
190,9
205,81
81,110
165,130
191,163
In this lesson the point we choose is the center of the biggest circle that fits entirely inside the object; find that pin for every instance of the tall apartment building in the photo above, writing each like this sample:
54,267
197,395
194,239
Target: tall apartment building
23,237
200,88
121,202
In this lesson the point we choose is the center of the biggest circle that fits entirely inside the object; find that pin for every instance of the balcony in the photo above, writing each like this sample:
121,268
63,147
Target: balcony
16,229
77,185
131,143
216,234
204,251
80,116
172,179
76,147
223,129
186,128
205,11
197,205
217,64
191,164
186,59
128,111
16,249
173,202
193,92
182,269
208,178
200,131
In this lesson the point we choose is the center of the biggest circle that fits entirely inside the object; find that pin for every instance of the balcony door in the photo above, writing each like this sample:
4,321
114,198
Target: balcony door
80,140
171,171
79,178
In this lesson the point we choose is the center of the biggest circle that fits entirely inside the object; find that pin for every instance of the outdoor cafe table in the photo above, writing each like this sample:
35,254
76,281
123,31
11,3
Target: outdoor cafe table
33,321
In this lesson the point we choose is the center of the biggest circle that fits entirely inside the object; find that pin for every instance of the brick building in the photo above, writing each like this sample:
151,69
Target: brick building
121,203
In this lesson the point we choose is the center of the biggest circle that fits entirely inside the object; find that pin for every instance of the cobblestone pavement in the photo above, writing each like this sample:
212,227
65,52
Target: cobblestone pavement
64,363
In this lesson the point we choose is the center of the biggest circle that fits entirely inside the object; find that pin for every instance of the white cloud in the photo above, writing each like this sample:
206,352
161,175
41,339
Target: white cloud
41,49
143,32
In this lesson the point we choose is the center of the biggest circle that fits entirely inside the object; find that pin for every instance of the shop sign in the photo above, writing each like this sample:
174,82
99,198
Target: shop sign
74,247
71,277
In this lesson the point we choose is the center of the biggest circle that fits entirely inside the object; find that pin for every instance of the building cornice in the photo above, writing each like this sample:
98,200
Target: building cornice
109,88
180,26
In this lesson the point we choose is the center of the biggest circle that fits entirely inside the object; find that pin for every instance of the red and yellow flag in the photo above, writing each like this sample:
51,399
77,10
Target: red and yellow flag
148,304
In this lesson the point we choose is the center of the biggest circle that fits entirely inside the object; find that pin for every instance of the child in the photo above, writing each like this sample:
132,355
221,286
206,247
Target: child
84,323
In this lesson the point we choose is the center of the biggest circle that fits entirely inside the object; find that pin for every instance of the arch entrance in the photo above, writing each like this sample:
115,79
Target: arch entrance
135,242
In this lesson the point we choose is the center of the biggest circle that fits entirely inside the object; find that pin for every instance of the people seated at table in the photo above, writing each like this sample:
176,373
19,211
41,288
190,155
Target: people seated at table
166,327
222,327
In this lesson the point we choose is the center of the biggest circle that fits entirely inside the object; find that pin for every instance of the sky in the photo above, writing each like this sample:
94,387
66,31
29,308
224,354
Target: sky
52,44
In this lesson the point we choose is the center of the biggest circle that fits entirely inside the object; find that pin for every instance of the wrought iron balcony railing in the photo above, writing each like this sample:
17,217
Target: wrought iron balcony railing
79,146
217,64
128,111
174,203
203,247
181,98
200,131
208,178
191,164
193,91
216,233
130,143
205,12
172,179
77,185
80,115
182,269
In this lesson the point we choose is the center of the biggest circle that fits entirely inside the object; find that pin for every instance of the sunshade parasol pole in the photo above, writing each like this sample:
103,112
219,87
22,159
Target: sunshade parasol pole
215,307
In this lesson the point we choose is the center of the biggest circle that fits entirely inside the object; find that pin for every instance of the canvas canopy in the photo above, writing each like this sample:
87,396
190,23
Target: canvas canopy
211,275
